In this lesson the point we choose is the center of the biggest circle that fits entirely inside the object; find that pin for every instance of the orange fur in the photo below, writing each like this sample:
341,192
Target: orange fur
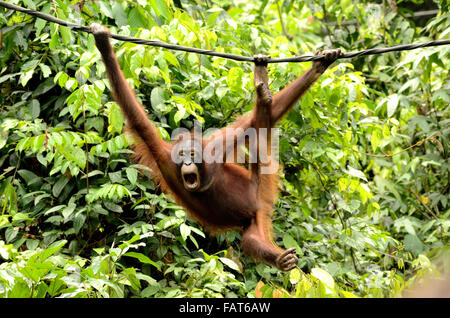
232,197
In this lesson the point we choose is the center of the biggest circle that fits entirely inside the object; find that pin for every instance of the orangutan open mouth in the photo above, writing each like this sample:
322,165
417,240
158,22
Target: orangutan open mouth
190,176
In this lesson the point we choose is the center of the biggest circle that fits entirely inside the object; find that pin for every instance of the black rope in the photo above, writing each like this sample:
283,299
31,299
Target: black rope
235,57
364,52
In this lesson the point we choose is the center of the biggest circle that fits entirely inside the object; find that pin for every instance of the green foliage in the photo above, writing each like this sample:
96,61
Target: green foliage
365,180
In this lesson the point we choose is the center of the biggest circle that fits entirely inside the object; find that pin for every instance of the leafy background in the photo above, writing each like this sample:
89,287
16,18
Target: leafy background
365,178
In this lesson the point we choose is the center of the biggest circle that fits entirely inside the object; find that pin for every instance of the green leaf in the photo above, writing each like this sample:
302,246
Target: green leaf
32,244
115,119
157,98
61,78
119,14
185,231
392,104
55,286
130,273
54,209
54,42
408,224
29,177
179,115
40,24
65,34
142,258
71,84
67,212
167,222
234,78
294,276
150,291
289,242
348,294
26,76
52,249
356,173
171,59
105,8
364,192
19,289
59,186
35,108
441,94
10,234
230,263
162,9
78,221
413,244
41,290
30,4
324,277
375,139
46,71
136,19
131,174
